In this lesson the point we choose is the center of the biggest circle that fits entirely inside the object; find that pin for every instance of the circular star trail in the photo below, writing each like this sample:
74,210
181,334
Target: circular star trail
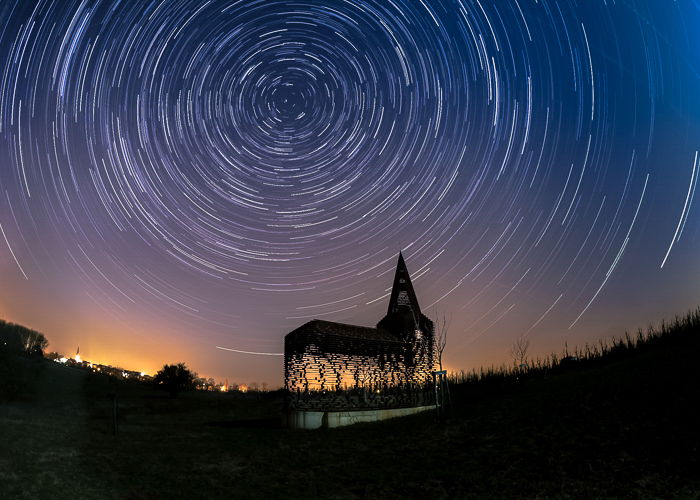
228,169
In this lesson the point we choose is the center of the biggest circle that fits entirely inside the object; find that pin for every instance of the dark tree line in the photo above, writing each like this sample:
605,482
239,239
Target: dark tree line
17,376
18,339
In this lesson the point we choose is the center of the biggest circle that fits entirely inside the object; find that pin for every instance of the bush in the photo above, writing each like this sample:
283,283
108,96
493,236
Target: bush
175,379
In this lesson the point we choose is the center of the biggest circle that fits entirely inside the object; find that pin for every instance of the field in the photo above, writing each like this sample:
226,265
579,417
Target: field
625,427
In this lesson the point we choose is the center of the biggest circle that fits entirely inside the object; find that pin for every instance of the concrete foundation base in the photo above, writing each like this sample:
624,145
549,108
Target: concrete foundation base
299,419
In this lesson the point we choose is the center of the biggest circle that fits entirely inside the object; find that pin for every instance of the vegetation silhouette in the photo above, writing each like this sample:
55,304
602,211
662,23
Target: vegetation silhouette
175,379
18,339
495,380
17,342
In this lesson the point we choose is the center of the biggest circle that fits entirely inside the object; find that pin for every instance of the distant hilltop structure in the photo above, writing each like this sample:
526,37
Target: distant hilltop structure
324,355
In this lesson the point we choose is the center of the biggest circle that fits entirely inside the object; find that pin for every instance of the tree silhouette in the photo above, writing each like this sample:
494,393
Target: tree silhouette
518,351
441,328
175,379
19,339
34,343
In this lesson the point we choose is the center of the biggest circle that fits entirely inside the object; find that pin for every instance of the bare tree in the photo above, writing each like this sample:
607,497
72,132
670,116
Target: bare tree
441,326
518,351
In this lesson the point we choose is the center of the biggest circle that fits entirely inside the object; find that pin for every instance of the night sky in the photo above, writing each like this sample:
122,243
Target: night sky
179,175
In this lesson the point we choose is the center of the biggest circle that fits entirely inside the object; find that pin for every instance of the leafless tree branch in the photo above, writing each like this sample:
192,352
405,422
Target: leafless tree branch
441,325
518,351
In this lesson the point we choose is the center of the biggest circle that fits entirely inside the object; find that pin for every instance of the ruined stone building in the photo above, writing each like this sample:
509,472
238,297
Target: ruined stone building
323,355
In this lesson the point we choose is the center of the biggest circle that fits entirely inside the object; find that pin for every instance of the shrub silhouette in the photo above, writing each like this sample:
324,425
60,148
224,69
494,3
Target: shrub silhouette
175,379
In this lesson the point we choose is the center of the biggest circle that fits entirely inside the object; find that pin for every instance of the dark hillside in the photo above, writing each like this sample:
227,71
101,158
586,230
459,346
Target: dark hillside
622,423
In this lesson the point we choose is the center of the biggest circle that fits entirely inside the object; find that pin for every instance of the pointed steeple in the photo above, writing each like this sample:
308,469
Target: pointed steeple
403,297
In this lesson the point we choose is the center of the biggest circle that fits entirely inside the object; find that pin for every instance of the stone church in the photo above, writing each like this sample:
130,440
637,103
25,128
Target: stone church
323,355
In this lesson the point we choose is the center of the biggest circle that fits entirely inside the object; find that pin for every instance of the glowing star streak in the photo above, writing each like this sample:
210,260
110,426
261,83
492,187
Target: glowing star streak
249,352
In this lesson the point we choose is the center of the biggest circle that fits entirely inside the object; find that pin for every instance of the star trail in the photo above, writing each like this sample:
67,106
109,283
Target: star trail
177,176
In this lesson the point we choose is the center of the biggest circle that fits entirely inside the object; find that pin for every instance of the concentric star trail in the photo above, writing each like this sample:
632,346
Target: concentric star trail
213,173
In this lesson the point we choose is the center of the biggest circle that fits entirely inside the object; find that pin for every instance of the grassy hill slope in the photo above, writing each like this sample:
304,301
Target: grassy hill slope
621,425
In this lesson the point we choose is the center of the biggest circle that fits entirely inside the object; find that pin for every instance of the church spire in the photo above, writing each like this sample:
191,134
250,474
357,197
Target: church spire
403,297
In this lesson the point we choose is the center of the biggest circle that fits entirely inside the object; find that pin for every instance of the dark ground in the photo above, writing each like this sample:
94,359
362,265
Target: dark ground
629,428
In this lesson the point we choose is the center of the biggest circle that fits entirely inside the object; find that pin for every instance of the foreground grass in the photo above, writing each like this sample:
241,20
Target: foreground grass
42,436
627,428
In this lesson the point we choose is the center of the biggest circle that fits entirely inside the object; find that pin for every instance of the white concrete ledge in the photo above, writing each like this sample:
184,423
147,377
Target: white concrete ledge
301,419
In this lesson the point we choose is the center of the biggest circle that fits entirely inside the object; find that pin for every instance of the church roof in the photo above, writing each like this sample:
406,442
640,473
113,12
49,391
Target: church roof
403,316
403,297
318,326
